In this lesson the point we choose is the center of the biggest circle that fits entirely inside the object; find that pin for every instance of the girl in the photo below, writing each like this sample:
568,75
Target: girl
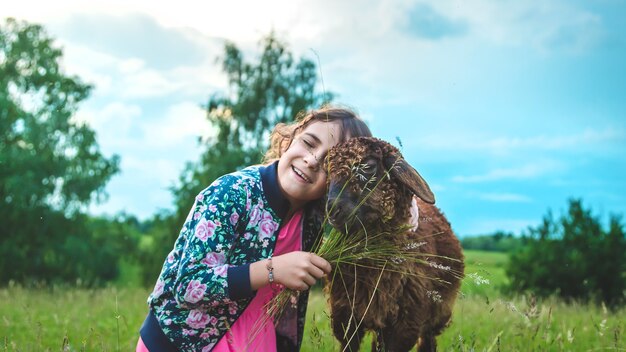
247,236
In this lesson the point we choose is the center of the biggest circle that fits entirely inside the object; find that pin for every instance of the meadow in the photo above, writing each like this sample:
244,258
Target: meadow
485,319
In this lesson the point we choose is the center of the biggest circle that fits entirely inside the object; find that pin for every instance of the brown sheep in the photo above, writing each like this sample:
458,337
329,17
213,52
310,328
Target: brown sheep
402,308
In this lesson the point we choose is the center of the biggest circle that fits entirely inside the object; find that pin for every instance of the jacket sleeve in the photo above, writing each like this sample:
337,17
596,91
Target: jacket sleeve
209,232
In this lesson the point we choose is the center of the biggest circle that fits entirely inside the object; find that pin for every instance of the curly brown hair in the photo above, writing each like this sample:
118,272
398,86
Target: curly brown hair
283,134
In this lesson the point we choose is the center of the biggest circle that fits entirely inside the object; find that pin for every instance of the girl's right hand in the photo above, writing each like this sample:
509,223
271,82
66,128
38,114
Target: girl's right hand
299,270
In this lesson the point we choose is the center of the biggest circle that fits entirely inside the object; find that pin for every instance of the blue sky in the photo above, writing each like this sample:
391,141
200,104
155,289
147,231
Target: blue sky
507,108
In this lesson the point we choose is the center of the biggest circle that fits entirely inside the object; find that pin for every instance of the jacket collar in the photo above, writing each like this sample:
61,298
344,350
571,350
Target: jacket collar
269,178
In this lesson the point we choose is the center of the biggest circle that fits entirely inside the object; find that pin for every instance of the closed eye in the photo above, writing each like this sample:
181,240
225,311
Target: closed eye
310,140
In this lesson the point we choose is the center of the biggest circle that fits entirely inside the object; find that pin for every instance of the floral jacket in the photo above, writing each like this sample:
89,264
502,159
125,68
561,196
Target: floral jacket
204,285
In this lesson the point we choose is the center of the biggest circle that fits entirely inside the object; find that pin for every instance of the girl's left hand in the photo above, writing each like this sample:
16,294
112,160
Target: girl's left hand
299,270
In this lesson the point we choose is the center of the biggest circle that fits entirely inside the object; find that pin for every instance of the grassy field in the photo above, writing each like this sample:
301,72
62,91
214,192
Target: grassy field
484,320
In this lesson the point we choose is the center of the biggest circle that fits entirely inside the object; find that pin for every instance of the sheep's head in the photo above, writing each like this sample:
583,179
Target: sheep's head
370,185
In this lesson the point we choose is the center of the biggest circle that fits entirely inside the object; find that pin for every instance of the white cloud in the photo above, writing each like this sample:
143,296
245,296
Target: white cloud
119,124
528,171
113,122
545,26
218,19
389,64
437,187
90,65
131,78
155,171
148,84
182,122
584,138
505,197
131,65
125,79
480,142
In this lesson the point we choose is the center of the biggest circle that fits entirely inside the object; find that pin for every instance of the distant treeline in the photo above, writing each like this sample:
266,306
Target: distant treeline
499,241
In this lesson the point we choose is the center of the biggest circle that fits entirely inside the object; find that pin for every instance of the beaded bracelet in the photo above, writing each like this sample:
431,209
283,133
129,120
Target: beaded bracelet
270,268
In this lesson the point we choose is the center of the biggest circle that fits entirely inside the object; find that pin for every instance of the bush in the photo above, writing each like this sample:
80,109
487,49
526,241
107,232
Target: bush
497,242
573,257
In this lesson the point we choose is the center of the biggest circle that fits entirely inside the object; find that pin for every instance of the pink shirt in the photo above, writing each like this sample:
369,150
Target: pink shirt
253,330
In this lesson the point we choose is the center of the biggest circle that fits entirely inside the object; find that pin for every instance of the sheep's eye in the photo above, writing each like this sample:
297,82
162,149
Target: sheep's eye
369,168
365,171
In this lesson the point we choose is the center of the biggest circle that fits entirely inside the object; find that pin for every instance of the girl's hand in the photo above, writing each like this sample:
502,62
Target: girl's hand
299,270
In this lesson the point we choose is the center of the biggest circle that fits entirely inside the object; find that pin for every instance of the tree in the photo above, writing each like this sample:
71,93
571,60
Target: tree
260,94
50,166
573,257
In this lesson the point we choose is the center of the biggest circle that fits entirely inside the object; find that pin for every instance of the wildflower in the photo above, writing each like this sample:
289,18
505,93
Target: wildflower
439,266
397,260
570,336
478,280
414,245
602,327
434,295
511,307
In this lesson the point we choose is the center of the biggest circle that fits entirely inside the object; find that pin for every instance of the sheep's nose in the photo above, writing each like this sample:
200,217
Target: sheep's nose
337,212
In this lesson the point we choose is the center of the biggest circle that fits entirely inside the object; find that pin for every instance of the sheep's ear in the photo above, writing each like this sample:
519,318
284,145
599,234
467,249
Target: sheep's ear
401,170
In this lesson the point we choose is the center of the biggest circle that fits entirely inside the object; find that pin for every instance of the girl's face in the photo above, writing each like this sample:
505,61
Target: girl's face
301,177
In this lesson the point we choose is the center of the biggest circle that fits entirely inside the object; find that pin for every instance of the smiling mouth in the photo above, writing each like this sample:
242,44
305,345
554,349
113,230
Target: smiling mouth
301,174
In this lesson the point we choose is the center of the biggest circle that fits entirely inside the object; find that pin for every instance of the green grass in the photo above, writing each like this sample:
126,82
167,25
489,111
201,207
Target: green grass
487,320
484,319
85,320
503,325
518,324
485,265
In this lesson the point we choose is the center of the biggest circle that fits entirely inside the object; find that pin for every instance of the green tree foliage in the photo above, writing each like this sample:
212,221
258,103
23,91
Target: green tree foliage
113,241
50,166
260,94
157,241
274,89
497,242
573,257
